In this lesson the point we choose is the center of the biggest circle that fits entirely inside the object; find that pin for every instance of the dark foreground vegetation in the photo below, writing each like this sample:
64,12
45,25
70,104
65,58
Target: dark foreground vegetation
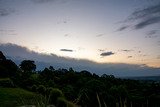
23,85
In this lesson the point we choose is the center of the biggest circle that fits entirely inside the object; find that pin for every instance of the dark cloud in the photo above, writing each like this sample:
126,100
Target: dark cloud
18,53
151,36
101,50
143,17
129,56
152,32
6,12
147,22
142,55
99,35
122,28
65,21
146,13
126,50
67,35
66,50
107,53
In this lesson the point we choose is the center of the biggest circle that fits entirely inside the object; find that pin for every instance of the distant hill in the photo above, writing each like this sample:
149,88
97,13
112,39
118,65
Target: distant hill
147,78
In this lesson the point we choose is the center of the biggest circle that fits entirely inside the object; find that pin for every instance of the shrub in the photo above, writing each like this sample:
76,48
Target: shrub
34,88
55,94
41,89
6,82
61,102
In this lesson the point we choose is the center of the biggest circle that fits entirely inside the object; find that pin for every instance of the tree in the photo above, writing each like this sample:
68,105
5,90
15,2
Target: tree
55,93
7,67
47,74
28,65
2,57
86,73
51,68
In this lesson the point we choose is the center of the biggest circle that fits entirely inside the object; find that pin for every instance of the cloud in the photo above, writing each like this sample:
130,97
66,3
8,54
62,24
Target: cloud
101,50
147,22
152,32
99,35
66,50
126,50
63,21
151,36
18,53
122,28
6,32
146,13
129,56
5,12
66,35
143,17
107,53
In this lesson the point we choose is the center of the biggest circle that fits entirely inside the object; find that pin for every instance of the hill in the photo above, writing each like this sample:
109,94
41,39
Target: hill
145,78
13,97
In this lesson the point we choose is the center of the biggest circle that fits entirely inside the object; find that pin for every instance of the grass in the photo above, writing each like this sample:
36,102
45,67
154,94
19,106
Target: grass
13,97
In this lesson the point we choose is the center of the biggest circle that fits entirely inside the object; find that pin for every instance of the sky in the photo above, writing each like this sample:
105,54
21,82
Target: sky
100,31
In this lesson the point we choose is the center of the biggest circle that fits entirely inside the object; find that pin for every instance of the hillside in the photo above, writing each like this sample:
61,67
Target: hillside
13,97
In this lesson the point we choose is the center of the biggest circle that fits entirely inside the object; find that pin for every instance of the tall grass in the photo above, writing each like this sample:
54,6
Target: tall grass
99,101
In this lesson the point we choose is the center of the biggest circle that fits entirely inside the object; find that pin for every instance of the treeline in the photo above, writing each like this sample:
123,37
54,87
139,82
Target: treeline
67,88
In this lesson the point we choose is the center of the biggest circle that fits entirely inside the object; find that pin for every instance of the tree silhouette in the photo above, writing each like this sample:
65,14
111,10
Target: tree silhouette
2,57
28,65
7,67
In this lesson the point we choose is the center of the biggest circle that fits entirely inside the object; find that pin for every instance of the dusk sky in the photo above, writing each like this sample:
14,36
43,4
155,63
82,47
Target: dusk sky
103,31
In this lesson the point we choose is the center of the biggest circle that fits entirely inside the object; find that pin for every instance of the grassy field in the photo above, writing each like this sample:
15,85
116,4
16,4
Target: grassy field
13,97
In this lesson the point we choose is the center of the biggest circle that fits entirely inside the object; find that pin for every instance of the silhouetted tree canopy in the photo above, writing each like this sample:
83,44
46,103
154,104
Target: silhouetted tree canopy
7,67
2,57
28,65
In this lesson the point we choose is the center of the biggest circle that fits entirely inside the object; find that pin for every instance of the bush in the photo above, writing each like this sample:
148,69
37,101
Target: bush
41,89
55,94
6,82
48,91
34,88
61,102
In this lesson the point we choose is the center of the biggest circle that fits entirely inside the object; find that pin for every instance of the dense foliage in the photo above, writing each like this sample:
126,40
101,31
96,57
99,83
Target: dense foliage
67,88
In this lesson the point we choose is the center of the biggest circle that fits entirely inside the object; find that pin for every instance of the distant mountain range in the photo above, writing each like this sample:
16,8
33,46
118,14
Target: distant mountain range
147,78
